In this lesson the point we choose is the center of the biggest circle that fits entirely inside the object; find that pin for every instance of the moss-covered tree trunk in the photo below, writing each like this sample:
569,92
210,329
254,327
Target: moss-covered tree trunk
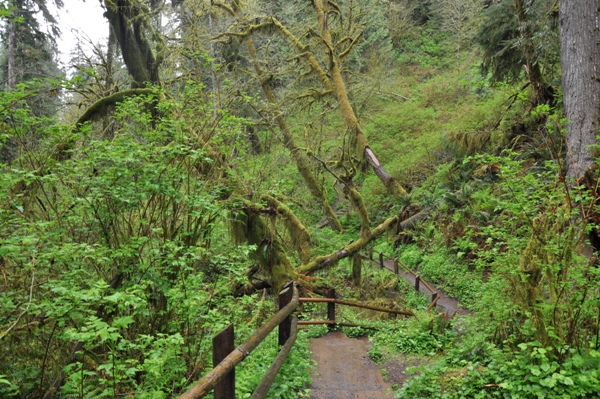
129,22
363,150
288,140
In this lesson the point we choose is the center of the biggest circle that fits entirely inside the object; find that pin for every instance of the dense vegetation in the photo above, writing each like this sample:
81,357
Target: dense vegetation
210,152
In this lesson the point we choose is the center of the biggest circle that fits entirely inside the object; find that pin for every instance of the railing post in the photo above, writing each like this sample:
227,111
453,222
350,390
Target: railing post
356,269
285,296
330,293
434,297
381,260
223,346
371,253
395,265
417,283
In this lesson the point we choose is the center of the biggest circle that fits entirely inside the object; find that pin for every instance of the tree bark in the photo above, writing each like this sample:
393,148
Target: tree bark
11,52
129,22
580,60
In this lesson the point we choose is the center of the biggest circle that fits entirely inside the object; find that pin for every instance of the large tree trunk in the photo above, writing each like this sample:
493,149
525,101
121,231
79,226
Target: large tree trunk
130,23
580,60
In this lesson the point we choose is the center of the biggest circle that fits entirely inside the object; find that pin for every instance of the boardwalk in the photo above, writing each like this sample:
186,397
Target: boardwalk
344,370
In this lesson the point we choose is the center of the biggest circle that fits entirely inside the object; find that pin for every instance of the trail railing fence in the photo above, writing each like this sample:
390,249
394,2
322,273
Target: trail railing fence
226,357
397,263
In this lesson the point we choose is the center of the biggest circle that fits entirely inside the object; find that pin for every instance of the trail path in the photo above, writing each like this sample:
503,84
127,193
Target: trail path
445,304
345,370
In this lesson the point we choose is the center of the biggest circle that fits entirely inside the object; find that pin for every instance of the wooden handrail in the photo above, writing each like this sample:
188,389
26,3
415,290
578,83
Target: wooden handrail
358,305
208,382
262,389
333,322
409,270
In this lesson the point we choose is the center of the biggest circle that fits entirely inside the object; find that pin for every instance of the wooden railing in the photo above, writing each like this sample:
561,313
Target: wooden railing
222,377
331,301
225,357
396,264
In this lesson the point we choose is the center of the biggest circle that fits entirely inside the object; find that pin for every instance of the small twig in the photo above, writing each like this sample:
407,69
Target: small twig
393,94
330,171
5,333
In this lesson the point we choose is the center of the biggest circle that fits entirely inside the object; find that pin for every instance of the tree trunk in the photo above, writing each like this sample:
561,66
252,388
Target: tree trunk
288,140
364,152
580,59
129,22
11,81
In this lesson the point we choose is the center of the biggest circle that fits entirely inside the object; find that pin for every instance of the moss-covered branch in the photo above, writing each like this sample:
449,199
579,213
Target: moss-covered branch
103,105
340,92
295,153
321,262
351,45
305,53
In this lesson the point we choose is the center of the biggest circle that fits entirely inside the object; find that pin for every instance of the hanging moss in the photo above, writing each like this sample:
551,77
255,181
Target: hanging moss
248,225
298,233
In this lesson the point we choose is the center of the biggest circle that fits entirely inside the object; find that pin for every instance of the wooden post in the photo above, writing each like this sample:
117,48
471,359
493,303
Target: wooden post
330,293
418,283
223,346
395,265
356,269
434,297
371,253
381,260
285,296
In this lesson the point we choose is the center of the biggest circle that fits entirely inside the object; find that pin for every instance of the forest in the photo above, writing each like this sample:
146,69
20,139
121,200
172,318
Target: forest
175,177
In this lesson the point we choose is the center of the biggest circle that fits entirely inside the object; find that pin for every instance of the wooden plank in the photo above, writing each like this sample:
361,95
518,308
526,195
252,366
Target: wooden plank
356,304
339,323
222,347
330,293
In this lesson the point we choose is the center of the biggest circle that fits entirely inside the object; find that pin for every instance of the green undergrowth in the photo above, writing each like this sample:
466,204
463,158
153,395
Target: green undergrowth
293,379
485,371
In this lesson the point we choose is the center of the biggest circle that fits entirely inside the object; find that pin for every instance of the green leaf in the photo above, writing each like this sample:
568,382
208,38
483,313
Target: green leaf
567,381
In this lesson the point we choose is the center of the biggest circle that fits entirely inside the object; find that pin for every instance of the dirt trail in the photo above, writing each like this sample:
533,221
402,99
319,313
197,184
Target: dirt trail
344,369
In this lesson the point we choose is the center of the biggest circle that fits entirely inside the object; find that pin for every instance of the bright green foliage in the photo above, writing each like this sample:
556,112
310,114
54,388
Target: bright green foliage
530,372
516,223
119,249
